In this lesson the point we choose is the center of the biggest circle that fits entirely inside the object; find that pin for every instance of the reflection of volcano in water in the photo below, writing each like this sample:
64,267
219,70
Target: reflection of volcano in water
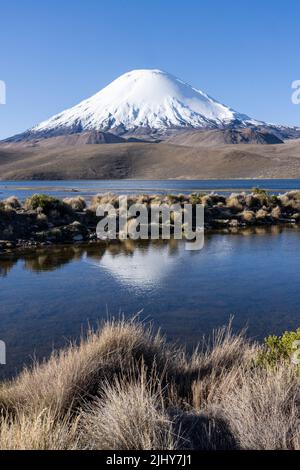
142,266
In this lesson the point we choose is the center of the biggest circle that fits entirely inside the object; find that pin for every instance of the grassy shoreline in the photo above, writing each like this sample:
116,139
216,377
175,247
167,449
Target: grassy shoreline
44,220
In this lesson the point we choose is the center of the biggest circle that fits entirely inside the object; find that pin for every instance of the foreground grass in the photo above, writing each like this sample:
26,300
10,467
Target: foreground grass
125,388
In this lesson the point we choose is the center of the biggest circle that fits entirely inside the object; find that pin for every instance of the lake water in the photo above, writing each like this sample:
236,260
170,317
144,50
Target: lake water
50,296
23,189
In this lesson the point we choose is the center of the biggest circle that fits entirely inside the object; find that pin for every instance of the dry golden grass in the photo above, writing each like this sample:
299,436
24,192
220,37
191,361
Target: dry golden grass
76,203
264,410
129,414
12,203
123,387
42,431
235,202
75,374
248,216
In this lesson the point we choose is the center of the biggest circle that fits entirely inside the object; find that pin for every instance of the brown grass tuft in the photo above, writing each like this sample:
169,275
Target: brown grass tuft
128,415
12,203
78,203
263,410
124,387
42,431
74,374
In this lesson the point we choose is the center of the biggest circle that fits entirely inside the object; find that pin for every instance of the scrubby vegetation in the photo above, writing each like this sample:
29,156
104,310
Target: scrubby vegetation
281,348
124,388
77,204
43,219
45,204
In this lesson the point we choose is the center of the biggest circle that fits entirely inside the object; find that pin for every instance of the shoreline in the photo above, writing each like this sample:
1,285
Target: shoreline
261,178
43,220
141,189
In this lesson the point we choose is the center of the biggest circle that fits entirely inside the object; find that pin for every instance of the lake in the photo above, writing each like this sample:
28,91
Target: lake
23,189
50,296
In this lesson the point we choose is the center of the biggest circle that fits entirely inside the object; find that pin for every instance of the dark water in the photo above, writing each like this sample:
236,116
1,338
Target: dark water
49,297
23,189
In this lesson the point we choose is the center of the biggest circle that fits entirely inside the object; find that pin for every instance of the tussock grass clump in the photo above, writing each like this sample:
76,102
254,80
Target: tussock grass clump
124,387
129,415
290,200
77,204
11,203
42,431
264,198
75,374
248,216
236,202
46,203
276,212
6,209
102,199
217,365
262,214
263,412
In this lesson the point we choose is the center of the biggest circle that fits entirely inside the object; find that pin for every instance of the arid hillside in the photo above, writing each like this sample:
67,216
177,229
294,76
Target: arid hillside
166,160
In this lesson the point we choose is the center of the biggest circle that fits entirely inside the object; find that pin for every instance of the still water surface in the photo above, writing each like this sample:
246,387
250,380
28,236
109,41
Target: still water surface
50,296
88,188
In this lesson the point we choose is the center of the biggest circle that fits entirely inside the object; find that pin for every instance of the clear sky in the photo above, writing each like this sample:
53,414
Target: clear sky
54,53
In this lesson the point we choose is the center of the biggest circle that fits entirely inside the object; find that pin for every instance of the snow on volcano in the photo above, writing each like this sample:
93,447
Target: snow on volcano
149,100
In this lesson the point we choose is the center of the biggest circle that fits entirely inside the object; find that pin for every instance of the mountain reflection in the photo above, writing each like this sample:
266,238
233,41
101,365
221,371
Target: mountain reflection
114,256
53,258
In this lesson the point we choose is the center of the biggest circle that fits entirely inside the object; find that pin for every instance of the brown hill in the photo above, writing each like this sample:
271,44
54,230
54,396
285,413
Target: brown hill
216,137
149,161
66,140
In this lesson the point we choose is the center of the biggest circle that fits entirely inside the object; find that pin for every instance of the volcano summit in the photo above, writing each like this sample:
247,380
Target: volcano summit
143,102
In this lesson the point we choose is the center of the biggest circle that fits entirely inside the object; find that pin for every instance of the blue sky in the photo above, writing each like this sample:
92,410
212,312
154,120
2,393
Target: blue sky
55,53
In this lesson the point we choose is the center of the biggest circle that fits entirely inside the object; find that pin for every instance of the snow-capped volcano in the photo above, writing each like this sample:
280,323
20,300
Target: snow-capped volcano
143,100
